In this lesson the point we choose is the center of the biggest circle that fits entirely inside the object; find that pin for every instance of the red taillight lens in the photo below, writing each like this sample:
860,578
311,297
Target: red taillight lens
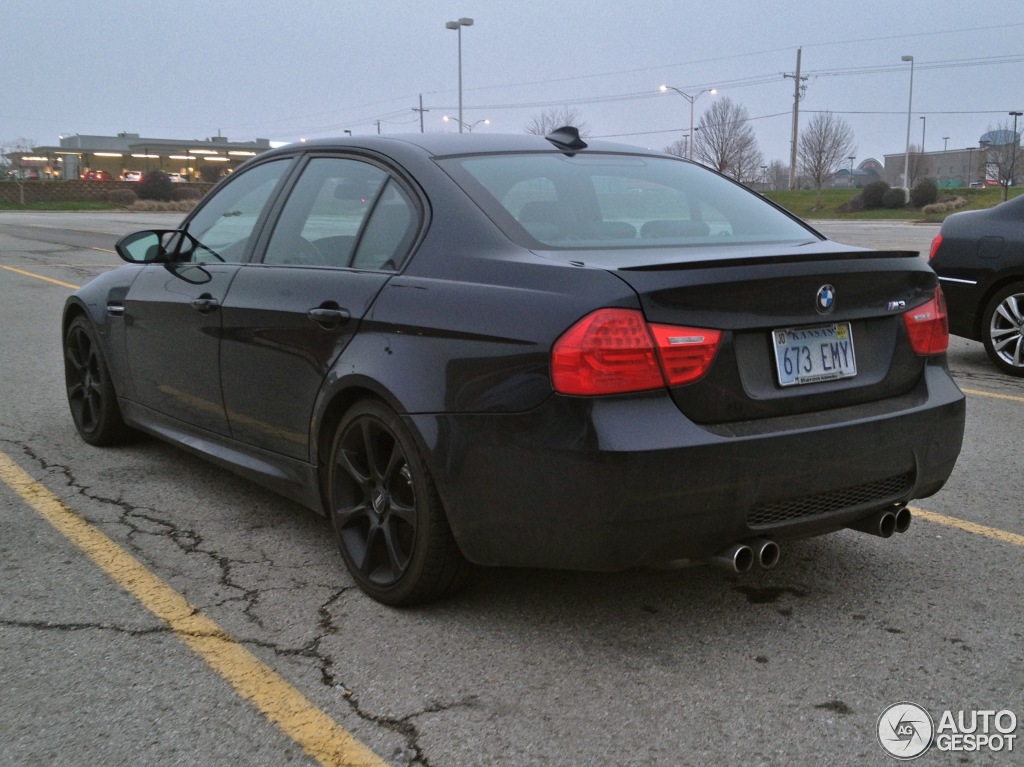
928,326
614,351
935,246
686,353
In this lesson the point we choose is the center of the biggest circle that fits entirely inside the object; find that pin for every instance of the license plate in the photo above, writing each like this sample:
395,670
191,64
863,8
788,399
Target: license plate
814,354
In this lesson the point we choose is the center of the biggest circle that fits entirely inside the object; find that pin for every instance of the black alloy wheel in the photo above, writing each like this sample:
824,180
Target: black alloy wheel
91,394
388,519
1004,329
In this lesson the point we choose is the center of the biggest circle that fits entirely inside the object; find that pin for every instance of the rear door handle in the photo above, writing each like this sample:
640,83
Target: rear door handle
328,318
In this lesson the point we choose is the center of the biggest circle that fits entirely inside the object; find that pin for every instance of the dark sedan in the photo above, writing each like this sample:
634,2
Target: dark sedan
519,351
979,257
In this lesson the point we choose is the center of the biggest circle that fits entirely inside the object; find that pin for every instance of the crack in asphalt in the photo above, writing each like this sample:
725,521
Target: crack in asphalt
70,627
191,542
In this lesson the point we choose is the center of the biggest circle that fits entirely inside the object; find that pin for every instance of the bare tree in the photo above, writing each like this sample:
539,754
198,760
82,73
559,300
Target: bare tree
1003,161
824,144
778,175
677,148
917,167
724,140
16,166
558,117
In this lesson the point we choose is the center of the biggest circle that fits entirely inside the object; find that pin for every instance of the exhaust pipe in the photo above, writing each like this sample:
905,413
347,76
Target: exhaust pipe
903,517
883,524
766,553
738,558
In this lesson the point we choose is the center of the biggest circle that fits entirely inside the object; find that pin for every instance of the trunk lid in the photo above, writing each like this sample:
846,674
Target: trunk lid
754,297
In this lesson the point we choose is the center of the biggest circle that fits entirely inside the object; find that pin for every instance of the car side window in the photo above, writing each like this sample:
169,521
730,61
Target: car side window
343,212
389,233
220,231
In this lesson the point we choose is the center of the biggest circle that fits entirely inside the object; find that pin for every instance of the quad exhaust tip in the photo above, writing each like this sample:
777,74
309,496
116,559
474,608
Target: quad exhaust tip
741,557
886,522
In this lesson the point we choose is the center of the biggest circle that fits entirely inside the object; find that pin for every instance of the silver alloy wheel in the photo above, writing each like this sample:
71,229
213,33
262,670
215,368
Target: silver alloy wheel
1006,330
1002,329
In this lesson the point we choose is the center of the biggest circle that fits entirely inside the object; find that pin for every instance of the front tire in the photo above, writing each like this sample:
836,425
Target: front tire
1003,329
387,516
90,390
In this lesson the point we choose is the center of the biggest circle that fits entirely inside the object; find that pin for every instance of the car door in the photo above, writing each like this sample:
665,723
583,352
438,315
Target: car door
345,228
172,311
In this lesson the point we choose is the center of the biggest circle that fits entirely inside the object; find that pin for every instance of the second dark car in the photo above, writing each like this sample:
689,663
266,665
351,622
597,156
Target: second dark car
979,258
512,350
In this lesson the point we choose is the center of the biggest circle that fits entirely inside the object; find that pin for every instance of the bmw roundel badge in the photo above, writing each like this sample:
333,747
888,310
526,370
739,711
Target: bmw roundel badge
826,299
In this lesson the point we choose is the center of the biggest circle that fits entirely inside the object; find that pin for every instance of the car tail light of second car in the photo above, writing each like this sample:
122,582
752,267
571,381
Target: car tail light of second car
928,326
614,351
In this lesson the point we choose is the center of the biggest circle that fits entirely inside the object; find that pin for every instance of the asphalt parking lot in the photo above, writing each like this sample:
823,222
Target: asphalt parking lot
157,610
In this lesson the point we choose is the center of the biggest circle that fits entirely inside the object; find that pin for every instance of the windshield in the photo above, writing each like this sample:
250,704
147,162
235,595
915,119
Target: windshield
594,200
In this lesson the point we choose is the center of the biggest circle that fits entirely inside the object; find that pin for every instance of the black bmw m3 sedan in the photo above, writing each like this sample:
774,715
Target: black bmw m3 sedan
524,351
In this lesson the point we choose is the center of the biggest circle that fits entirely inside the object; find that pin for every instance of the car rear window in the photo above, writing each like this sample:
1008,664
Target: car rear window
604,200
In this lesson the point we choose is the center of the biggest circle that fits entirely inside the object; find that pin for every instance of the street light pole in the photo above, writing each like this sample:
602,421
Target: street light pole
924,122
1013,154
691,99
458,25
910,103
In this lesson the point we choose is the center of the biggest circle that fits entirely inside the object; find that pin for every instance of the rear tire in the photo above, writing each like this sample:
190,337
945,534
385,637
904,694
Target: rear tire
91,393
387,516
1003,329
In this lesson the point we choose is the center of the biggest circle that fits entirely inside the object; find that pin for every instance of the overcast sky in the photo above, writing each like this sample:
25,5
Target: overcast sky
290,69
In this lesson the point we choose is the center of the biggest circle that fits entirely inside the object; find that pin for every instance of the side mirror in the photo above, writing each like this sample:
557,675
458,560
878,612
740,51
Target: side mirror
146,247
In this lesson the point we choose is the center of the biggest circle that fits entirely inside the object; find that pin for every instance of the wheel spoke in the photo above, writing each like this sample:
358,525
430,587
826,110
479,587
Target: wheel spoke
398,560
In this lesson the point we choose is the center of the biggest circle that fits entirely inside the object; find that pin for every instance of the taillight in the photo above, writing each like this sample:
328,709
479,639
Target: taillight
928,326
935,246
686,353
614,351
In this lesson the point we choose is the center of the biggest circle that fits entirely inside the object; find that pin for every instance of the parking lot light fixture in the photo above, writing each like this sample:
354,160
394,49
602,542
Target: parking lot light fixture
458,25
691,98
906,154
1013,153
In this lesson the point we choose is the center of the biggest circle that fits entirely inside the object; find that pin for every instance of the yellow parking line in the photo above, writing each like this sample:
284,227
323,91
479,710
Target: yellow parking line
39,277
969,527
978,393
312,729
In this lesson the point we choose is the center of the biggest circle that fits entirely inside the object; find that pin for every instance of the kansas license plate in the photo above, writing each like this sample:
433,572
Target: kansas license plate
813,354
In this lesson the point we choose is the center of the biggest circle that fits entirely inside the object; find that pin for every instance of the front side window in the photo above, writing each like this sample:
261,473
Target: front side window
221,230
592,200
344,212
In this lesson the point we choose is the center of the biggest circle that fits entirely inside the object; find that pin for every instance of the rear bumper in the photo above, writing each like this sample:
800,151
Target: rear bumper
610,483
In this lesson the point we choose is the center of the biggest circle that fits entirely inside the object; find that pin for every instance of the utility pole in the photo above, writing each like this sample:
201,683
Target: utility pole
797,79
421,110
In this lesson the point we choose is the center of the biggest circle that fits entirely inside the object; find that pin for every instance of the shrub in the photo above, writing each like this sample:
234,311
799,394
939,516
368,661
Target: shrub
122,197
873,194
894,198
155,185
946,206
185,192
853,205
925,192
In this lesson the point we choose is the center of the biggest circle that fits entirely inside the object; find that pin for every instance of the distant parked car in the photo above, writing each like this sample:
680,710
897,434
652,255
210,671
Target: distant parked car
979,257
97,175
132,175
176,178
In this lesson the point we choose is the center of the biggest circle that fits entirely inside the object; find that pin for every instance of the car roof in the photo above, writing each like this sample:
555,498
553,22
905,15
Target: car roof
442,144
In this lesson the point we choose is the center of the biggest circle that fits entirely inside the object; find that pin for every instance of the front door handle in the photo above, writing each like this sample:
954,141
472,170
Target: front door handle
205,303
327,317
